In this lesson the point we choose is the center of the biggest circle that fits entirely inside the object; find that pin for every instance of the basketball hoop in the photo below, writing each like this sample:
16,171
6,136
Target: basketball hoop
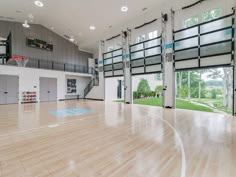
20,60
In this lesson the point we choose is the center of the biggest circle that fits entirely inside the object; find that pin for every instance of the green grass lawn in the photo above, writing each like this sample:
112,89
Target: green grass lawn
181,104
215,104
185,104
149,101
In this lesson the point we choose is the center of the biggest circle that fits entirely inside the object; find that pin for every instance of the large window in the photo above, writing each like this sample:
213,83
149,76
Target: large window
141,38
206,16
110,48
191,21
152,34
147,36
211,14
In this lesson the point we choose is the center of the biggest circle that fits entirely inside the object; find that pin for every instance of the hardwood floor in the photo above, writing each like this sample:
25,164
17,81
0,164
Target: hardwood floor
115,141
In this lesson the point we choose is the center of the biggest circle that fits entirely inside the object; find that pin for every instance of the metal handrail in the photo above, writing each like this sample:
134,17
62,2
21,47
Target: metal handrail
57,66
94,82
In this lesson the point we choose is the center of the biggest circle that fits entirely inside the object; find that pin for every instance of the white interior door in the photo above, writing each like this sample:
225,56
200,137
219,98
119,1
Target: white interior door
12,89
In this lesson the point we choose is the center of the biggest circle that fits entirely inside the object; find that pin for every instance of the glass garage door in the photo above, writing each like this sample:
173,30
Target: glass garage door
113,63
208,44
146,56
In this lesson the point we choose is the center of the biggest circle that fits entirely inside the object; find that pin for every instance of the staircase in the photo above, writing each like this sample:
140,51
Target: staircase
94,82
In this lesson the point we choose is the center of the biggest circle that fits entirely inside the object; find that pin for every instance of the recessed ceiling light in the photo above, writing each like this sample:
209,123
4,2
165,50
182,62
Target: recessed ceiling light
26,25
124,9
38,3
92,28
52,28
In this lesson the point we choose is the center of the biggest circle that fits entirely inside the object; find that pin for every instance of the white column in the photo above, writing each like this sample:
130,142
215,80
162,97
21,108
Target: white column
168,68
126,37
101,71
234,100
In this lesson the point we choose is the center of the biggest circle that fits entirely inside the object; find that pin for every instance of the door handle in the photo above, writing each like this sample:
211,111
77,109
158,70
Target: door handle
48,91
5,92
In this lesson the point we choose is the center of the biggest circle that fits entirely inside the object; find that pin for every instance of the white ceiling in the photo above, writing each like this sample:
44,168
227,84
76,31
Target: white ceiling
73,17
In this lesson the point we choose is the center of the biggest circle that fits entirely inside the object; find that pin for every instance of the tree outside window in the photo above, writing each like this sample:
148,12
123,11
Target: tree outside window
191,21
211,14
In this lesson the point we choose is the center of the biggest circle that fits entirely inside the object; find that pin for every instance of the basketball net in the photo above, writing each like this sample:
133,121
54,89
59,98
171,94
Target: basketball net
20,60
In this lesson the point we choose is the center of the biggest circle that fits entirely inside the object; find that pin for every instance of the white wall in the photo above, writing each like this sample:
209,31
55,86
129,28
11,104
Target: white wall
95,93
29,79
91,62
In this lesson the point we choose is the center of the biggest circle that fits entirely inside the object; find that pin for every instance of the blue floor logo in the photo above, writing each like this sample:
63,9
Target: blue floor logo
70,112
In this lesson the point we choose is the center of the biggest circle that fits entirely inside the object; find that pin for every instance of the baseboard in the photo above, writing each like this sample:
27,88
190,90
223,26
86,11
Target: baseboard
30,102
94,99
66,99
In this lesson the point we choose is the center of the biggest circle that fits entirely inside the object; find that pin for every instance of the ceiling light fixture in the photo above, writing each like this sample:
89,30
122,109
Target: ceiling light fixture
52,28
26,25
124,9
92,27
38,3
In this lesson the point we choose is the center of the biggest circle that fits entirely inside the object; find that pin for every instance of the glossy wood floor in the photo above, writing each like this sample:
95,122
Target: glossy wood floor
115,141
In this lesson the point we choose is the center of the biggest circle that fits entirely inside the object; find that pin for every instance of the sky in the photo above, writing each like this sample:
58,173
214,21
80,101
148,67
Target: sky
206,78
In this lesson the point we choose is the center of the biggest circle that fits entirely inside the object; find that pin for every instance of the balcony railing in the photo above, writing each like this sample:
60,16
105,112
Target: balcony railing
53,65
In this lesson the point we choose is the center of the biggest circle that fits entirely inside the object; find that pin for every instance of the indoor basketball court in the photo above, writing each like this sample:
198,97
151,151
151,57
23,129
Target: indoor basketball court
132,88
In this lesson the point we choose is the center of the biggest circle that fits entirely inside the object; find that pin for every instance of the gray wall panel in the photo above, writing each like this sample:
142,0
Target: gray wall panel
64,51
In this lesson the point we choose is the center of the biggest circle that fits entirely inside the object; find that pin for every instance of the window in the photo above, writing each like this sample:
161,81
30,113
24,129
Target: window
152,35
191,22
211,14
140,38
110,48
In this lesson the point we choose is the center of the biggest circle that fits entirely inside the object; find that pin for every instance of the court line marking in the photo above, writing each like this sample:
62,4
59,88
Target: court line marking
183,168
183,154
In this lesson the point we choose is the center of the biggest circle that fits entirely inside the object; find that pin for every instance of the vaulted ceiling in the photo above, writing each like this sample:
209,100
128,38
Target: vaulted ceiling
74,17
